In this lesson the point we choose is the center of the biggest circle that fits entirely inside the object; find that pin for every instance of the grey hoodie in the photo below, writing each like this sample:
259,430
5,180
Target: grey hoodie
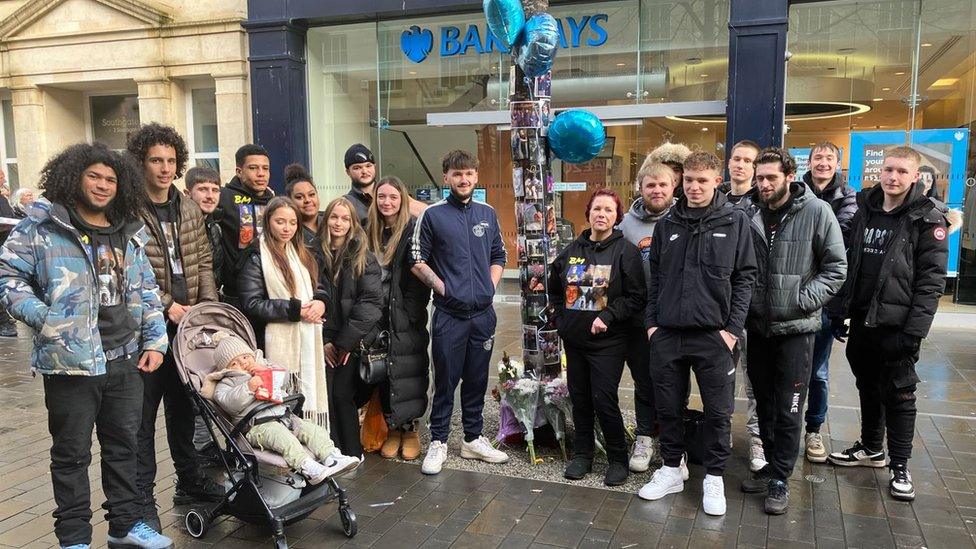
638,226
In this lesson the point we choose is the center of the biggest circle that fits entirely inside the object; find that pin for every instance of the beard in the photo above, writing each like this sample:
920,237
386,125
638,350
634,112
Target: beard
462,197
82,199
360,185
655,209
776,196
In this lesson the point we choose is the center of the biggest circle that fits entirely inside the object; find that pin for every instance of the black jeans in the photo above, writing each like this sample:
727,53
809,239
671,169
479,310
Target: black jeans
673,354
76,405
886,381
165,385
347,394
639,362
593,377
779,369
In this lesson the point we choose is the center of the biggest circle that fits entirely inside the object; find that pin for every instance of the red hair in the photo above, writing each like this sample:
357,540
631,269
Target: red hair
606,191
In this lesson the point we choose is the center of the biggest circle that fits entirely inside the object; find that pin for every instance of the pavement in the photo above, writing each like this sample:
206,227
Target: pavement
473,505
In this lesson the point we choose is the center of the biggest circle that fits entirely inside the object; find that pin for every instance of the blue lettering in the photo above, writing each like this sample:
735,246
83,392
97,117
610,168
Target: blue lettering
449,41
562,34
599,31
472,38
492,43
577,29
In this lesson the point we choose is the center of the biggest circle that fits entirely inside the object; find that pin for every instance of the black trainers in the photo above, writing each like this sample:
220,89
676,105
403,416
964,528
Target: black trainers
778,498
198,489
900,485
617,473
758,484
857,456
578,468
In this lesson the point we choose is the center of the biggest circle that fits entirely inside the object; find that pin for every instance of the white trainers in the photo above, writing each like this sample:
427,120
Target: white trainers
713,495
337,463
481,449
314,471
664,481
643,451
435,458
757,456
684,467
816,452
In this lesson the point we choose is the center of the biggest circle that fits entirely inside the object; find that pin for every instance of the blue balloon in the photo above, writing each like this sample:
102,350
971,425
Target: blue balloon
576,136
505,19
541,43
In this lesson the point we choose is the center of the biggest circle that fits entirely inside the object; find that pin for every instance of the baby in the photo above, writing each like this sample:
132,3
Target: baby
233,386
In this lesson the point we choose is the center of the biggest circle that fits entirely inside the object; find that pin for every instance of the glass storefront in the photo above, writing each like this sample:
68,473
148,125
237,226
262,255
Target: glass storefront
653,70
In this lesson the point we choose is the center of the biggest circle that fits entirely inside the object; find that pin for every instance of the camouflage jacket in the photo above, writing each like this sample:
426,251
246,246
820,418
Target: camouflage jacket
48,281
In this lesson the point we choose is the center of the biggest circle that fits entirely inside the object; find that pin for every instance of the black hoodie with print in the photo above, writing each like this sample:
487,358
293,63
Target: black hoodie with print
596,279
241,222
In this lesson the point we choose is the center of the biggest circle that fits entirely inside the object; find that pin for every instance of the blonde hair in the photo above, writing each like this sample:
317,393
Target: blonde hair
353,251
654,169
377,222
905,152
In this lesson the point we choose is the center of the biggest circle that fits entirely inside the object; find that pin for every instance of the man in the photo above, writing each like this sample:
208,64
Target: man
75,270
362,172
802,264
457,251
203,187
180,256
898,254
702,268
656,184
740,189
242,204
829,185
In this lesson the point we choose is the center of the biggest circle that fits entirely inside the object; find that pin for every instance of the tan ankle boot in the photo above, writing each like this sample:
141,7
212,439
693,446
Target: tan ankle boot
391,447
411,445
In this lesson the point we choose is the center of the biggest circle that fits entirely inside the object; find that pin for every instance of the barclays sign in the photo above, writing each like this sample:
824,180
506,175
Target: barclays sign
417,43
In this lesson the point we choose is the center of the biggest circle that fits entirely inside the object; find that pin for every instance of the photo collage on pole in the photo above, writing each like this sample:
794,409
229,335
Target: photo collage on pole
535,217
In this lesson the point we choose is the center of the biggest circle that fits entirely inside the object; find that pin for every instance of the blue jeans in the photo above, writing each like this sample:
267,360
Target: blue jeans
819,392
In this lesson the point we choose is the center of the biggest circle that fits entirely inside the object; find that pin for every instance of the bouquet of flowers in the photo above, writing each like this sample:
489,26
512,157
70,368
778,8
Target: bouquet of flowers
521,395
556,407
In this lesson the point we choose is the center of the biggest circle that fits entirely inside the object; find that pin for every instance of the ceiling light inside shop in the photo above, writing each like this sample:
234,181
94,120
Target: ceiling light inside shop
944,82
703,75
927,45
876,99
411,72
900,73
885,89
621,64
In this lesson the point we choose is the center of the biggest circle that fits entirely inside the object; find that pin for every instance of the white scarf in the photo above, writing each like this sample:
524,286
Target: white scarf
296,345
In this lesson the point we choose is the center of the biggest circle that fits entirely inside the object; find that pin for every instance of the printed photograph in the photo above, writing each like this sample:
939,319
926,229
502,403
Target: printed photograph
530,341
549,345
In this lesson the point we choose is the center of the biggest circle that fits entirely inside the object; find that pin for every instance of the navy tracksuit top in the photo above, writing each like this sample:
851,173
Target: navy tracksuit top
460,242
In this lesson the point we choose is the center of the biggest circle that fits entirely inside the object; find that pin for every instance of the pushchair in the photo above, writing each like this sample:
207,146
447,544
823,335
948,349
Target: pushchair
261,489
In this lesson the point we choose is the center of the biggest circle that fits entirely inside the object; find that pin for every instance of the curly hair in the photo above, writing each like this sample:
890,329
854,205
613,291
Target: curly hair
150,135
61,179
296,173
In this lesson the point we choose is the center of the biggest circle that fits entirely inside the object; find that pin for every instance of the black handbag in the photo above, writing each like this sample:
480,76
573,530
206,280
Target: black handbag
374,362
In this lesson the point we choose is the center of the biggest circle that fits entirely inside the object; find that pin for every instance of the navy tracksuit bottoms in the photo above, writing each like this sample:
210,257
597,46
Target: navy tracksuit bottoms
461,353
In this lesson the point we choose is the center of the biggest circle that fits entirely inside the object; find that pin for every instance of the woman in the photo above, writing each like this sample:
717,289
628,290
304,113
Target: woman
354,279
404,394
594,330
20,201
281,297
300,188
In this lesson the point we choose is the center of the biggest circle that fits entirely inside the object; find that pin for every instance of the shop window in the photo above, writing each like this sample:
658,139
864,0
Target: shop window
9,145
112,119
202,115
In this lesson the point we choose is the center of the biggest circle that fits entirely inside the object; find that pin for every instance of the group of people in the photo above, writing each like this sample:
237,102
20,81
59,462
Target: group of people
111,257
766,268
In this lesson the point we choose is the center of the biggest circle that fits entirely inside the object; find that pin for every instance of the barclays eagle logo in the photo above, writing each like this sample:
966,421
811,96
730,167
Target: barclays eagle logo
416,43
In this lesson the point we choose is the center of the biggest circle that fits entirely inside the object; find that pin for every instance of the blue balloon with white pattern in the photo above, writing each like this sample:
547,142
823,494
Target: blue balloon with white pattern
576,136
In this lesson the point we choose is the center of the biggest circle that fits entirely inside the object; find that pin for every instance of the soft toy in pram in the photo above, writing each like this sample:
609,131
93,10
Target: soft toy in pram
237,387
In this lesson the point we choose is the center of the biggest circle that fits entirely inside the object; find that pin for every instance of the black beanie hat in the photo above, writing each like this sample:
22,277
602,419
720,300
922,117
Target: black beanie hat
357,154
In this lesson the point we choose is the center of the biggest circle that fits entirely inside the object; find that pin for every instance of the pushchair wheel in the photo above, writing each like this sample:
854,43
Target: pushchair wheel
197,522
280,542
348,517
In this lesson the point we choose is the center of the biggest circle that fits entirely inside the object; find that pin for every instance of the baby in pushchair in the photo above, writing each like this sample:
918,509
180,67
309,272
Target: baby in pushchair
237,388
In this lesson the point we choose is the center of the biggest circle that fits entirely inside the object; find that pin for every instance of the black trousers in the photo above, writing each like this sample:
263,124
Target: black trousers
347,394
76,405
593,378
673,354
779,369
639,362
164,385
886,381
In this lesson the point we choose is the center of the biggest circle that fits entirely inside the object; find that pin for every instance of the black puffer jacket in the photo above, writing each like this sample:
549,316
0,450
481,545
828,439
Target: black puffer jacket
409,360
255,303
912,277
356,306
702,270
842,200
